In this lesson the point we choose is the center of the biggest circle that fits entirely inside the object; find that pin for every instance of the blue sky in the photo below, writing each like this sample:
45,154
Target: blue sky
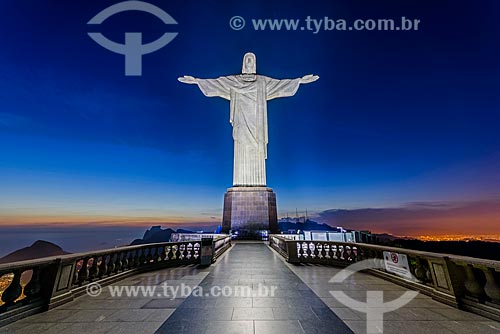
396,117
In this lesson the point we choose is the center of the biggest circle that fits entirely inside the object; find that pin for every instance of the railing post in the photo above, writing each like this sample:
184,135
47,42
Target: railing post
124,261
57,282
94,270
457,279
83,274
14,290
491,287
291,250
118,262
153,252
207,251
471,284
103,267
33,288
111,264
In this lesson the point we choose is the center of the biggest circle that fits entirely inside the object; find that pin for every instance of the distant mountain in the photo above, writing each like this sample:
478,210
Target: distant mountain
157,234
308,225
38,250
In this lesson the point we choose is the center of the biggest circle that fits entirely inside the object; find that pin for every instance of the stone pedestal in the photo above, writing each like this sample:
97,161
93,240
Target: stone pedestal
250,209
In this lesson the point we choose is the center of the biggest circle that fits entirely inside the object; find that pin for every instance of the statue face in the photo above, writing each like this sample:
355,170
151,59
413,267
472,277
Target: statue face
249,64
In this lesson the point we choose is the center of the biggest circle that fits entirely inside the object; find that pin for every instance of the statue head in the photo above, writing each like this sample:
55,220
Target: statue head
249,64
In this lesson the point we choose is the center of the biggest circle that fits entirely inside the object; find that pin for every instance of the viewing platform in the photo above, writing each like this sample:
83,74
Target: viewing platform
281,286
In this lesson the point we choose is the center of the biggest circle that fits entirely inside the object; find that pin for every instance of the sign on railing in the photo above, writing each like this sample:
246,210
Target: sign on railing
397,263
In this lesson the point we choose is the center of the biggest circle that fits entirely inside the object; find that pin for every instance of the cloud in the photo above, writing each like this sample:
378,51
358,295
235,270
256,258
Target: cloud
421,218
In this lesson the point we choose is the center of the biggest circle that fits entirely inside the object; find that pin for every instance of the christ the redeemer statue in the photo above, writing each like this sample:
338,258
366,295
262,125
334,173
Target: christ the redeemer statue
248,94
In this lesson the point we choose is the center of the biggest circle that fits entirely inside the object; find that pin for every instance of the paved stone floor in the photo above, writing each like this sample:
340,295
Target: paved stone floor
301,303
262,296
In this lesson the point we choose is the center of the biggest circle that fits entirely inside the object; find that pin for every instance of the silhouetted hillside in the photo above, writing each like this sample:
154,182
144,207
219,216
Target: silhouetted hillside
157,234
38,250
308,225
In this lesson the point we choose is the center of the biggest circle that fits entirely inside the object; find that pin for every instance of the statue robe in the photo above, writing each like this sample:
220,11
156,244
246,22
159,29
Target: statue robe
248,116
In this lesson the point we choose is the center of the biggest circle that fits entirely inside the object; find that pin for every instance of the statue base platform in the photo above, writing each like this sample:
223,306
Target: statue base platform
249,210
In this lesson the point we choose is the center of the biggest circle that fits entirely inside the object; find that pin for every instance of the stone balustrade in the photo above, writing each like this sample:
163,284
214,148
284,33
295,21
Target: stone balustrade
221,245
37,285
467,283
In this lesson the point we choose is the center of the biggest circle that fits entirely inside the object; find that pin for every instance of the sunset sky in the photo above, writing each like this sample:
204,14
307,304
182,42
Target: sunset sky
401,134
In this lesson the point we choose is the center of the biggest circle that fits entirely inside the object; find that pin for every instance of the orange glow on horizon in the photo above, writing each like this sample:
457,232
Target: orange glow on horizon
101,220
480,218
472,221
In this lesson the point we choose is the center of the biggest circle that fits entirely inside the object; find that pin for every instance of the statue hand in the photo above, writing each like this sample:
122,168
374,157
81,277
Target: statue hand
187,79
308,78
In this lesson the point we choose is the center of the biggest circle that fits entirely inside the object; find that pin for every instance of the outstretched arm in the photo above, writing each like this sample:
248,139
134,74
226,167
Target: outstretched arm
286,87
308,78
210,87
187,79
